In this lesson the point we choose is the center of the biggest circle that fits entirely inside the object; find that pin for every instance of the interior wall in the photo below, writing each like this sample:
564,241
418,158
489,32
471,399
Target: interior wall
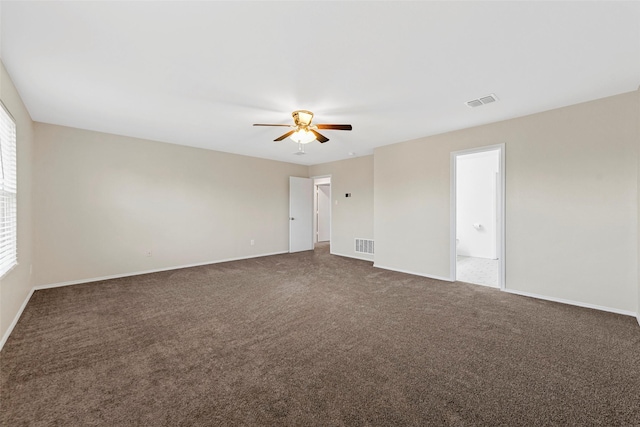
476,226
351,217
638,139
16,285
107,202
571,202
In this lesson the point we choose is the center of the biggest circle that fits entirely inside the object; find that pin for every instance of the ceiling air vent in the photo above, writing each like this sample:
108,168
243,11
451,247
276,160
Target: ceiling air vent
482,101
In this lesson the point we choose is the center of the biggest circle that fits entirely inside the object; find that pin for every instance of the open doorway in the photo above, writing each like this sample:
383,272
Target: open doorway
477,217
322,211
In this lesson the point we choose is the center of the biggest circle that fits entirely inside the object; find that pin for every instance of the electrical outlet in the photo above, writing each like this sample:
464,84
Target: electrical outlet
148,253
253,242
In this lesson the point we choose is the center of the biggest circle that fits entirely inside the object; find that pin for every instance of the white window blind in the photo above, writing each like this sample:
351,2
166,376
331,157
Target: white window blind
8,193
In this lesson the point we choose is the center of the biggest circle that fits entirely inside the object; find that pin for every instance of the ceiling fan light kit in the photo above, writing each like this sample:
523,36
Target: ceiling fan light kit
303,131
303,136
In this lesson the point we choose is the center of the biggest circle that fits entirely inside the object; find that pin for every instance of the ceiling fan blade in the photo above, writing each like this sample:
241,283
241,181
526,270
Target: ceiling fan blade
321,138
284,136
335,127
261,124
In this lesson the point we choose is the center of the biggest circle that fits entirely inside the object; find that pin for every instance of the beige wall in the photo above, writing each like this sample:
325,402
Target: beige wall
16,285
105,200
571,202
351,217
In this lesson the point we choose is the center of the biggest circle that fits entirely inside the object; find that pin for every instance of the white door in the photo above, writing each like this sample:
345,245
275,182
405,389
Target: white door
324,204
300,214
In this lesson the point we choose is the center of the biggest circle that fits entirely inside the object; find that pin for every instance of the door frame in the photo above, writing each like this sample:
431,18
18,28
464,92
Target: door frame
501,210
315,207
327,212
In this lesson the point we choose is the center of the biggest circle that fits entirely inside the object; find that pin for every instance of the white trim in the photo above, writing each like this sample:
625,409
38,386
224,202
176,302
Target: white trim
96,279
138,273
6,273
351,256
638,316
571,302
320,177
430,276
15,319
502,284
453,231
315,216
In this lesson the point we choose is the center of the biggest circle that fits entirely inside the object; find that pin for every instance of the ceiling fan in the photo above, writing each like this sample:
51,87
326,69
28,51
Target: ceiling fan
303,131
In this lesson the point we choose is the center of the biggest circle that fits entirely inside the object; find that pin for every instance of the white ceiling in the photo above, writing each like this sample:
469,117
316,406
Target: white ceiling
200,73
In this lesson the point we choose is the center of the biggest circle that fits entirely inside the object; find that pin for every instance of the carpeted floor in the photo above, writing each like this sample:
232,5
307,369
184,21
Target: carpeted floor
313,339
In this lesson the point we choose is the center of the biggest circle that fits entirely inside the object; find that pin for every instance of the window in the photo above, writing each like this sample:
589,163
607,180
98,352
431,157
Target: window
8,193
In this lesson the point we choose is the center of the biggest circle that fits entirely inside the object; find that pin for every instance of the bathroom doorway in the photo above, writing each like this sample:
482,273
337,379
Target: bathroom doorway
477,219
322,211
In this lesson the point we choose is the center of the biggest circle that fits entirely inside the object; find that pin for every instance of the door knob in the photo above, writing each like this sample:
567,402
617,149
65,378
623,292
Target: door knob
291,218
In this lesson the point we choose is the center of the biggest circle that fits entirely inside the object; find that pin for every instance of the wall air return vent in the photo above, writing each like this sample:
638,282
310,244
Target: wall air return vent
364,246
482,101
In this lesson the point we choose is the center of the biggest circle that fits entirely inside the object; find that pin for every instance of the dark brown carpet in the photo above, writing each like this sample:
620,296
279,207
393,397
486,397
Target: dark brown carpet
313,339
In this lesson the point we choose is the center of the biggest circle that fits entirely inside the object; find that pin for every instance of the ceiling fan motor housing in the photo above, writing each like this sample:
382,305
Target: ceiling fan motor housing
302,118
303,131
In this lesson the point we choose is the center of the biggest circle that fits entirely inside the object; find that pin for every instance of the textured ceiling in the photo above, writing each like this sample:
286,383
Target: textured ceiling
200,73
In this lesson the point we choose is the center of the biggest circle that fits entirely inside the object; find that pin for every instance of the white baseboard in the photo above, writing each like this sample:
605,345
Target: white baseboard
430,276
351,256
576,303
15,319
531,295
116,276
138,273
